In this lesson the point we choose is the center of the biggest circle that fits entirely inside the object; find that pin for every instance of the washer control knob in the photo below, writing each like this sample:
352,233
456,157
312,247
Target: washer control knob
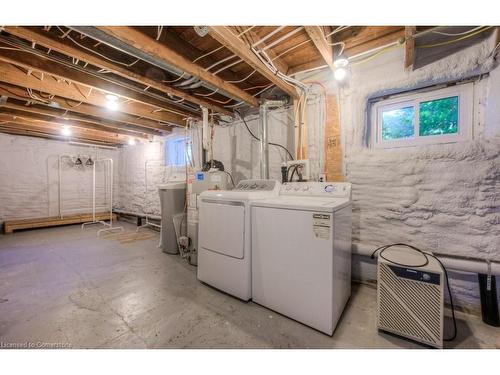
329,188
426,277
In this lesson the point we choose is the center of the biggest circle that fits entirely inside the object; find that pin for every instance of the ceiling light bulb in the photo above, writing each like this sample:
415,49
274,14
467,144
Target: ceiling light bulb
340,74
131,141
112,105
111,98
112,102
66,131
341,62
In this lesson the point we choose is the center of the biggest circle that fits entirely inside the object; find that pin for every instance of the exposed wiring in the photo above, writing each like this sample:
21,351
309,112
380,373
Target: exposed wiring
258,139
457,34
158,33
455,40
381,250
209,94
292,48
256,87
230,176
175,80
371,57
337,30
244,79
95,52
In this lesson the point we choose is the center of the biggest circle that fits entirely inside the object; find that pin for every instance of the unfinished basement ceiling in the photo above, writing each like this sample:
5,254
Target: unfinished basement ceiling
111,84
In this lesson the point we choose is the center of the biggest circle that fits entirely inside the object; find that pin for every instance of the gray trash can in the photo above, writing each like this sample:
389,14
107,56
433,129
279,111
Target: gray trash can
172,200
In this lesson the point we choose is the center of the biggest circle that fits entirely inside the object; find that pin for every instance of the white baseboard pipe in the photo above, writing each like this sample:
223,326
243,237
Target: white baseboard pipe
449,261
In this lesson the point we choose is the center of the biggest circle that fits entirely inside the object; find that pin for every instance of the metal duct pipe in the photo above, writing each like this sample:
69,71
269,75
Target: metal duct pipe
111,41
264,142
449,261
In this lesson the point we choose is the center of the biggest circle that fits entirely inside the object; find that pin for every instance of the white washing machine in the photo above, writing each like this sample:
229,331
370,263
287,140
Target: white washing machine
224,255
301,252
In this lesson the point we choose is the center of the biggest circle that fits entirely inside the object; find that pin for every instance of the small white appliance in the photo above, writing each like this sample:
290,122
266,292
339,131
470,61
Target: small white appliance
301,252
410,299
224,254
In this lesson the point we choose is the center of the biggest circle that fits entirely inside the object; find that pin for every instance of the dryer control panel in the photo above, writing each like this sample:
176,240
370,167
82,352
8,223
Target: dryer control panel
256,185
317,189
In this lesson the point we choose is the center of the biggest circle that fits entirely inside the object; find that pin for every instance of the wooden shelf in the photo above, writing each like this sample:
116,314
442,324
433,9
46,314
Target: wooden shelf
12,225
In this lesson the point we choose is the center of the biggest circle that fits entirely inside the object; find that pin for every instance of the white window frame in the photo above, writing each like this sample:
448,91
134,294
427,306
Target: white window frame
465,116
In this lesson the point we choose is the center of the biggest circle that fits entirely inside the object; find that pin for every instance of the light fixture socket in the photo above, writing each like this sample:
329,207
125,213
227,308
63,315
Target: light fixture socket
340,62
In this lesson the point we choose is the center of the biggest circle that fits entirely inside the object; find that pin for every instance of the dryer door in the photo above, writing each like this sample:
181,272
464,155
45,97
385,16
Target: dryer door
222,228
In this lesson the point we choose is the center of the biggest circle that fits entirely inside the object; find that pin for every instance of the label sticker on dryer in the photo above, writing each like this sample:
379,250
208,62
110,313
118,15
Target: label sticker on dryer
321,225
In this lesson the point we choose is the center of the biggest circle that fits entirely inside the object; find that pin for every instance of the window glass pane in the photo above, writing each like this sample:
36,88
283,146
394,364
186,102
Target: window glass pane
398,123
439,116
176,151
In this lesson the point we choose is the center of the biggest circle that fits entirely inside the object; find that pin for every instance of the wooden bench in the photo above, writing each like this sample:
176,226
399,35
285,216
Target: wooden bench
43,222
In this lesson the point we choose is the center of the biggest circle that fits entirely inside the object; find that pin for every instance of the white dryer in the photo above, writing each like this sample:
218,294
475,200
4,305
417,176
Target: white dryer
301,252
224,256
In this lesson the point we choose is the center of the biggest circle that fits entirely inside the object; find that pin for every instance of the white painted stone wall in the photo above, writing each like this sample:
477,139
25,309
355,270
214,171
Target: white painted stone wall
443,198
135,164
29,178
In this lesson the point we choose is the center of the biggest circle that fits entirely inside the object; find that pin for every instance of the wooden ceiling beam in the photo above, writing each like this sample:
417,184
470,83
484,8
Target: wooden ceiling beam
352,50
125,120
14,76
93,84
319,41
13,130
33,35
21,122
162,52
409,46
70,120
251,37
227,38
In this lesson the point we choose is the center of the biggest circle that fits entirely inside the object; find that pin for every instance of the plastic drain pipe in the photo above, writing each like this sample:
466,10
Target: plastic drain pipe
264,142
449,261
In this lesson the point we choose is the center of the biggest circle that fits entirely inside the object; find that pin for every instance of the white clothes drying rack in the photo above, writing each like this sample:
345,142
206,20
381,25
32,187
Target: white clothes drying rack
94,220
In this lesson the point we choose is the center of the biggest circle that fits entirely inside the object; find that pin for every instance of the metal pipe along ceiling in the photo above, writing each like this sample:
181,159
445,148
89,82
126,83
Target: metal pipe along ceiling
117,44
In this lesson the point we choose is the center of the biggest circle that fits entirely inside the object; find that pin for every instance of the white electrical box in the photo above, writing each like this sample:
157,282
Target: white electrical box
203,181
410,299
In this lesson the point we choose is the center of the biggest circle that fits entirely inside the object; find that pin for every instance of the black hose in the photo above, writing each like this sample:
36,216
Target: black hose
258,139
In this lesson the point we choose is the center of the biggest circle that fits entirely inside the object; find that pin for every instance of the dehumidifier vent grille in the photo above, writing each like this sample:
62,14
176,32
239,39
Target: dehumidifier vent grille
410,308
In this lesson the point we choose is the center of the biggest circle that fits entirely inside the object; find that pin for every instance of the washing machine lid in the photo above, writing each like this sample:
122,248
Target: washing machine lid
231,195
247,190
304,203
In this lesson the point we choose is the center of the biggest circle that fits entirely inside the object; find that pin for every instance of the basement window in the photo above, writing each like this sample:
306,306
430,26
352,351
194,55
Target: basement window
434,116
176,151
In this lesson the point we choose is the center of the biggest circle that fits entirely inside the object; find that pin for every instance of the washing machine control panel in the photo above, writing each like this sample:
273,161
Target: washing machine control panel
256,185
317,189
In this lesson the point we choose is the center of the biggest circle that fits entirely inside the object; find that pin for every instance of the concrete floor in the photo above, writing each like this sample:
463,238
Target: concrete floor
64,285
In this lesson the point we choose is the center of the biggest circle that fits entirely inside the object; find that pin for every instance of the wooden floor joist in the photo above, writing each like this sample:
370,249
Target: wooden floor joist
44,222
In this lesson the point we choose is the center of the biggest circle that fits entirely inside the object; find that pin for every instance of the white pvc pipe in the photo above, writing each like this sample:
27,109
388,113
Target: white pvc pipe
449,261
